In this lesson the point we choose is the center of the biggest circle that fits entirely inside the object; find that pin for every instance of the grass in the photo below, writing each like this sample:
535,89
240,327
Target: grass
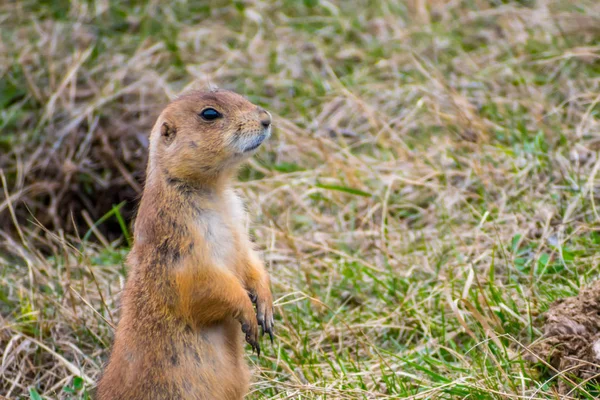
429,192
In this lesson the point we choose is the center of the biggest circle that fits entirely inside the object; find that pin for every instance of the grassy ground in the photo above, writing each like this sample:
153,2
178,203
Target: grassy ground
429,192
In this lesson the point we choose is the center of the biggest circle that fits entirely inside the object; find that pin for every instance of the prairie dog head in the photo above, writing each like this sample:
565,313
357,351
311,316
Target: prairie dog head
201,135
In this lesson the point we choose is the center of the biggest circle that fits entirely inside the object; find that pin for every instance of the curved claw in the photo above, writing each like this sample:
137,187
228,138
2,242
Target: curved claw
271,335
267,326
251,336
255,345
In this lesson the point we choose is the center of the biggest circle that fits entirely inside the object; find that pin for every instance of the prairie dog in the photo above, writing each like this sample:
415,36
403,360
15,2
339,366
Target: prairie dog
193,275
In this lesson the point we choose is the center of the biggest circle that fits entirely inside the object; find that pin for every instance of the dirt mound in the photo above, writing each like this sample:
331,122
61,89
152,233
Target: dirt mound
76,109
68,181
571,342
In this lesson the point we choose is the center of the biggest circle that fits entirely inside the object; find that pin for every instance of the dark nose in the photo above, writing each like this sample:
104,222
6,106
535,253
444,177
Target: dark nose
265,118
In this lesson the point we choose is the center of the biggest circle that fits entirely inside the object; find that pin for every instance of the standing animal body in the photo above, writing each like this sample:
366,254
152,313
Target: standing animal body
193,275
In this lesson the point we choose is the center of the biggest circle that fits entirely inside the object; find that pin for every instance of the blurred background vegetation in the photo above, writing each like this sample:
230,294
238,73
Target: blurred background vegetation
429,191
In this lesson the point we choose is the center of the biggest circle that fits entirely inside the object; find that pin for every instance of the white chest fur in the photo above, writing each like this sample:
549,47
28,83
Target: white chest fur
220,229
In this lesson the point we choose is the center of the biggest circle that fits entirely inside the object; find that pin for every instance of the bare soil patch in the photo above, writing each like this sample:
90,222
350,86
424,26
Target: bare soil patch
571,342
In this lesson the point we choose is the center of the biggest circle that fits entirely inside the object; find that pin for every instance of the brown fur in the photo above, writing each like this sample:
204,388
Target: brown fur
193,273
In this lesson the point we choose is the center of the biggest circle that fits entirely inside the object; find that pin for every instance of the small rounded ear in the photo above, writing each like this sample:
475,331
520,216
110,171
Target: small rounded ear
167,132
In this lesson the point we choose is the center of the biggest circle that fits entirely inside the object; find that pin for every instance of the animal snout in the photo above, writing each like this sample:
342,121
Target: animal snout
265,118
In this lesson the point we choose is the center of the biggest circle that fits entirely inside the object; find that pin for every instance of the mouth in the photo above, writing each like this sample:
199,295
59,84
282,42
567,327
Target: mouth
255,143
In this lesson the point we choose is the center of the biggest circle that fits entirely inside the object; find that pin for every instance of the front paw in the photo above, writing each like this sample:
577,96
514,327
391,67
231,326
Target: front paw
250,328
264,310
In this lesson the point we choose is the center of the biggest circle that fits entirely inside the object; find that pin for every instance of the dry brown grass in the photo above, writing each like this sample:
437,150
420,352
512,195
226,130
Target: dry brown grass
430,190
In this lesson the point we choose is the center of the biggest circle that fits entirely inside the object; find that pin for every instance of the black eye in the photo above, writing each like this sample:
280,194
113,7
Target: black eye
210,114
